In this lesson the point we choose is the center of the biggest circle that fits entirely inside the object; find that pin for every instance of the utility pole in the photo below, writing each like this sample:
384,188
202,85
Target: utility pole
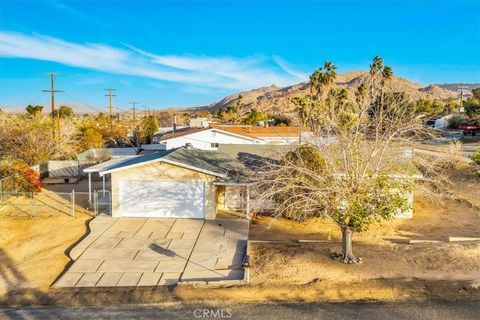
146,108
461,88
133,108
53,91
110,95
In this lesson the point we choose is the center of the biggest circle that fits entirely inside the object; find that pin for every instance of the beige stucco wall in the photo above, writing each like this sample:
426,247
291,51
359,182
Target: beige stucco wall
164,172
220,198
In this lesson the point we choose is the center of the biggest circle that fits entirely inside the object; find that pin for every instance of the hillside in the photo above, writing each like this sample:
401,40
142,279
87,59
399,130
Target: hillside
274,99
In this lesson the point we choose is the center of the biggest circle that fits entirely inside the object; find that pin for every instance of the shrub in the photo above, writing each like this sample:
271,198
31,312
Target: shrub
476,156
456,121
21,177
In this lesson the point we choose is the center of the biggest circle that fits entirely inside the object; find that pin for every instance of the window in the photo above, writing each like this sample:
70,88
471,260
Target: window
214,145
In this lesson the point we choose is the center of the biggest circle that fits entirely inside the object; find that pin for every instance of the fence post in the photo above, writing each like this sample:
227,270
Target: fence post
32,205
73,203
95,203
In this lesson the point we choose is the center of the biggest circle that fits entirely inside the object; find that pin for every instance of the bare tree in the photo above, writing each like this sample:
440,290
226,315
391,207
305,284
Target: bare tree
30,139
357,168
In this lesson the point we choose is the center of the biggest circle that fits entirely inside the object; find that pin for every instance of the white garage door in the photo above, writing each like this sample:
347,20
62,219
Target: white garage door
165,199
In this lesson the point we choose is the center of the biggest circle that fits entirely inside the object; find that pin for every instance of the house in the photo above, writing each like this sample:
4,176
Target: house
186,182
213,136
198,123
192,183
269,135
440,123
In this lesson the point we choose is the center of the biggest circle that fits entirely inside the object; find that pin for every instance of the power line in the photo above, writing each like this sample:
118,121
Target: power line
146,108
53,91
83,103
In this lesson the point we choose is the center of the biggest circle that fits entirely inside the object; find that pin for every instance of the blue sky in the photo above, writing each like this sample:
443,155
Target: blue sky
185,53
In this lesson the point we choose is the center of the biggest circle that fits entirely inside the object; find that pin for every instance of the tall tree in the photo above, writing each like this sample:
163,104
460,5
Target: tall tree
30,140
64,112
34,110
322,79
255,116
355,171
149,128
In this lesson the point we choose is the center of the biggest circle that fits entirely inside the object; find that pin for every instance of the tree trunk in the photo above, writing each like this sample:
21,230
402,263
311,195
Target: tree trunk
347,253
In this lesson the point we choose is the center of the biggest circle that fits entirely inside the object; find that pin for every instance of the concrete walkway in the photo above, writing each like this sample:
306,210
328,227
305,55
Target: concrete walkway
150,252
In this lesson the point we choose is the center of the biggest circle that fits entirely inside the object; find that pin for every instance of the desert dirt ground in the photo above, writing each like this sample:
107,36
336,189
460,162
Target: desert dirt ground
33,255
284,260
32,250
384,256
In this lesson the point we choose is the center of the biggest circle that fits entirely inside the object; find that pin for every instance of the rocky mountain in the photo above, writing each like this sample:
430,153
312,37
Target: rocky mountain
274,99
456,86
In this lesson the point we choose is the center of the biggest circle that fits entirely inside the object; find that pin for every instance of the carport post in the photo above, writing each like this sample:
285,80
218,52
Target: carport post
248,202
73,203
89,187
103,177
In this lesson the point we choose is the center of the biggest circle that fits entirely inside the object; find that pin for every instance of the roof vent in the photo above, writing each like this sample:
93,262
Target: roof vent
188,145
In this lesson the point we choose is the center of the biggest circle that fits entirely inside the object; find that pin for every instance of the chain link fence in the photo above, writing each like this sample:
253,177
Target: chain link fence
49,203
102,202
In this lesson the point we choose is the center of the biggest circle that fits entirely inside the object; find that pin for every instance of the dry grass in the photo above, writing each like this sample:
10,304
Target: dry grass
32,250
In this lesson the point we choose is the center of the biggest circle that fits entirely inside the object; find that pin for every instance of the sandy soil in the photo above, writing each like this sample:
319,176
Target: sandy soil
32,251
432,221
293,262
466,184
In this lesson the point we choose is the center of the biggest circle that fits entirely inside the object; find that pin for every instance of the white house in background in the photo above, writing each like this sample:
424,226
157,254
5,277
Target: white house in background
440,123
199,123
210,138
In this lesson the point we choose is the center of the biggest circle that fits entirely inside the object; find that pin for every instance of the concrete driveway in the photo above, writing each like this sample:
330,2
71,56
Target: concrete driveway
151,251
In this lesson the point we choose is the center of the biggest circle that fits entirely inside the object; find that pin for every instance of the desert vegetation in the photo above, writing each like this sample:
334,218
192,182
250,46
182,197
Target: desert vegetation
364,176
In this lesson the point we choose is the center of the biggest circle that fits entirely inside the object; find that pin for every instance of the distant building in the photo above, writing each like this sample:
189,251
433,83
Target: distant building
211,137
440,123
199,123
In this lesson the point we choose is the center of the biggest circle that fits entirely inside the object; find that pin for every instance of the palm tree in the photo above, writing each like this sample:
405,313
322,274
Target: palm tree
322,78
387,74
330,74
376,65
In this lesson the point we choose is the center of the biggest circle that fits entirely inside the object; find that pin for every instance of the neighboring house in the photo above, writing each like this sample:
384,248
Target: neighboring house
205,138
186,182
210,138
199,123
269,135
440,123
164,130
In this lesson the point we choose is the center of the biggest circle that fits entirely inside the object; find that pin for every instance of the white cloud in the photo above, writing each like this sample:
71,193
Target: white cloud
78,14
288,68
216,72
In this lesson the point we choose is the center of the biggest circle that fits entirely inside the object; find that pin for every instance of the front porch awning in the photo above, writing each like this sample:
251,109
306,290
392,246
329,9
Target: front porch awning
99,168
